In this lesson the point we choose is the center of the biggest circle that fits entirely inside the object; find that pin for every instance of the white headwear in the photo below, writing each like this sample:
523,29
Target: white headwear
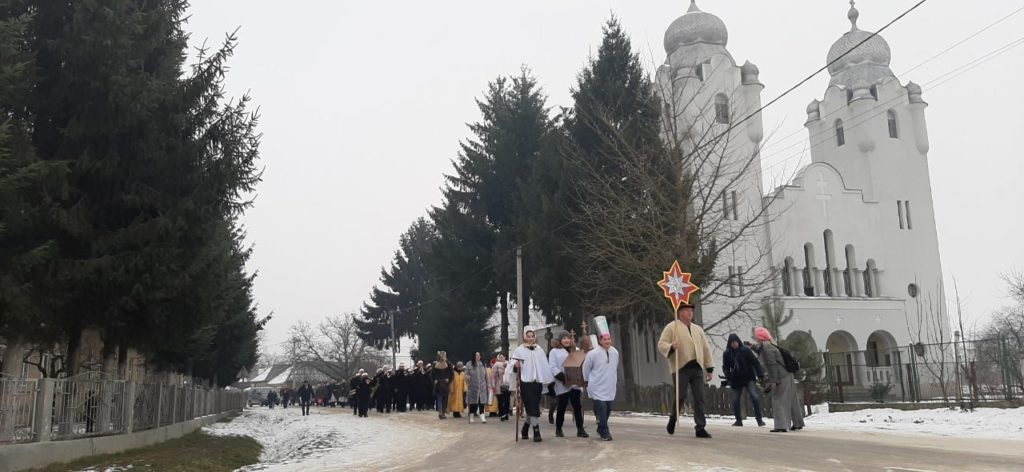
527,329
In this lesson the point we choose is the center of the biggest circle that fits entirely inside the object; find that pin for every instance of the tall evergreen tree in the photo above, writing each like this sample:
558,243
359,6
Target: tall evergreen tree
27,185
615,144
407,284
158,165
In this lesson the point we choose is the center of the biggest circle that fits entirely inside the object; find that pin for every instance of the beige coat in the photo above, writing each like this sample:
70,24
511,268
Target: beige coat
694,337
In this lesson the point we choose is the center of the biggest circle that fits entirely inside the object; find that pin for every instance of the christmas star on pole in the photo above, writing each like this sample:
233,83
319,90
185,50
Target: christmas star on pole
677,286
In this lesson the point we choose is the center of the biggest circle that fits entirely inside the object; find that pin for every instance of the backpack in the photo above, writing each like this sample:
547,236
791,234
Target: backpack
791,364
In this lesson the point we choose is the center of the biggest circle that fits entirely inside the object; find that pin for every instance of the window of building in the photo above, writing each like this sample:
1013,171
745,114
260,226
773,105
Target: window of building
912,290
894,131
732,278
722,108
735,214
739,278
840,134
899,210
830,262
809,268
906,213
787,277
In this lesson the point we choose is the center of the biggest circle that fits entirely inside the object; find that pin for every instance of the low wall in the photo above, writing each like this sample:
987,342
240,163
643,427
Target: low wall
846,407
15,457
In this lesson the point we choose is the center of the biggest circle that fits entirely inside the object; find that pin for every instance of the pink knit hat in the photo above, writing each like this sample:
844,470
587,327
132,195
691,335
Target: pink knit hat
762,334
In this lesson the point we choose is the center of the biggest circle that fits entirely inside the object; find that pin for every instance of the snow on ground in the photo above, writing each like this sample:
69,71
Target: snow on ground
328,439
989,423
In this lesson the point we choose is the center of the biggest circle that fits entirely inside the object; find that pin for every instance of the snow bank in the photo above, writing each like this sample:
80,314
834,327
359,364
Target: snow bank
989,423
329,439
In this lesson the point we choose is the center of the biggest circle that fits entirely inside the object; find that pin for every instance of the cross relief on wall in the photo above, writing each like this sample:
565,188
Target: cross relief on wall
822,194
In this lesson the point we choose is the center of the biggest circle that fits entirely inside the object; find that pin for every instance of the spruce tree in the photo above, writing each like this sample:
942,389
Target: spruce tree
615,146
406,285
26,186
159,169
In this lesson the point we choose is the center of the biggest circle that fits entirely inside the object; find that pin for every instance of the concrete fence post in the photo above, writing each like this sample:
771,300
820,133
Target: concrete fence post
44,410
174,405
128,418
159,404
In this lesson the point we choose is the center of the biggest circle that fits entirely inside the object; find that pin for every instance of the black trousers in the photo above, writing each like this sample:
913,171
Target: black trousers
531,393
691,379
503,401
572,396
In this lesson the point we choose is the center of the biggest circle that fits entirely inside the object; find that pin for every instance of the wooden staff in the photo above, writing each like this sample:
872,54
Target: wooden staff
675,337
519,399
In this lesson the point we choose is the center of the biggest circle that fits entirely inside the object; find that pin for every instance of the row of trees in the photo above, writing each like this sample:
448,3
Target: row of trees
601,196
123,172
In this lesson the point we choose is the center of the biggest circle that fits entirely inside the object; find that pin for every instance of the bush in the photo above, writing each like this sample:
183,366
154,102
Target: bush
879,391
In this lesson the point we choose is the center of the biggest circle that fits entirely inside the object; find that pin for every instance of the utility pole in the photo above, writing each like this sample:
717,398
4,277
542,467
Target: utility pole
520,306
394,345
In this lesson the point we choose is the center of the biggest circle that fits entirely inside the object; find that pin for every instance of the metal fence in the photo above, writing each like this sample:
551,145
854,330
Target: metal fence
717,400
17,410
951,372
85,406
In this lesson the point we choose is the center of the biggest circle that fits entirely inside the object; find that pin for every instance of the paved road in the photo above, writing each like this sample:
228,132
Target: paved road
642,444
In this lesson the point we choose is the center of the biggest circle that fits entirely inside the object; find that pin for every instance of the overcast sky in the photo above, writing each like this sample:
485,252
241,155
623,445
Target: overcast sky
364,103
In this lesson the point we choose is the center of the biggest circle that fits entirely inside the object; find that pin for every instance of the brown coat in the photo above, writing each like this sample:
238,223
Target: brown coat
694,337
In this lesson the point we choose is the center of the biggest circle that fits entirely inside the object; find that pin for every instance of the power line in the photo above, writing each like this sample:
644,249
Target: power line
856,120
904,73
809,77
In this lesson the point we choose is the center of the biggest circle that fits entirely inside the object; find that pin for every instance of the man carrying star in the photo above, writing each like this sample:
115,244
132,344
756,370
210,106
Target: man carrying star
688,351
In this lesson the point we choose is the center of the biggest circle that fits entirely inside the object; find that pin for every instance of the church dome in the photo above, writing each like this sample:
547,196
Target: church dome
865,64
695,27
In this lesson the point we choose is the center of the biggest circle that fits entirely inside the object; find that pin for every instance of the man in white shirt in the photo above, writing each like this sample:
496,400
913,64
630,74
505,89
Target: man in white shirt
600,371
532,365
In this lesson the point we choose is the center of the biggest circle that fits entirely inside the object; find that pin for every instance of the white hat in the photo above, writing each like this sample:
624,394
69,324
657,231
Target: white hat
527,329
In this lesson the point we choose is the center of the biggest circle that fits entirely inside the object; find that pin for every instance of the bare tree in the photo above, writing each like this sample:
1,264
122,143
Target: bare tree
694,197
333,347
931,335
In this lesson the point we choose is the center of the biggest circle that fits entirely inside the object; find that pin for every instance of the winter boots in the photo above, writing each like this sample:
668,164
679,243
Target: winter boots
536,434
471,418
738,423
526,431
760,422
703,433
483,418
581,433
558,433
671,428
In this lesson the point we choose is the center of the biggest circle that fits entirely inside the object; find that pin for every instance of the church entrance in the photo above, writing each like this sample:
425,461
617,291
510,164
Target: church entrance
842,356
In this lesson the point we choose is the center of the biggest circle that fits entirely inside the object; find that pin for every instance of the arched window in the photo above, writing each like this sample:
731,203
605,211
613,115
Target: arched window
894,131
840,134
830,262
722,108
870,279
809,269
850,272
787,277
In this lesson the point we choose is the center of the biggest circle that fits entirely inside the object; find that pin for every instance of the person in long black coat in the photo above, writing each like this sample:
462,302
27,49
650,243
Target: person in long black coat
353,391
400,388
363,388
742,368
415,384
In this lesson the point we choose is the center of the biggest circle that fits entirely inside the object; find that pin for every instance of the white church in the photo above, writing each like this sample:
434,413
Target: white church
851,239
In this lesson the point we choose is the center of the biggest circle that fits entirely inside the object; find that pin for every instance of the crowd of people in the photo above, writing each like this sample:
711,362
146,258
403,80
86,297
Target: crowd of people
493,386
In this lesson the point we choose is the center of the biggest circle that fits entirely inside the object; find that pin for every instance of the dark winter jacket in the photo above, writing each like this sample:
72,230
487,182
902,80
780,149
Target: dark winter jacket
740,365
305,393
442,378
